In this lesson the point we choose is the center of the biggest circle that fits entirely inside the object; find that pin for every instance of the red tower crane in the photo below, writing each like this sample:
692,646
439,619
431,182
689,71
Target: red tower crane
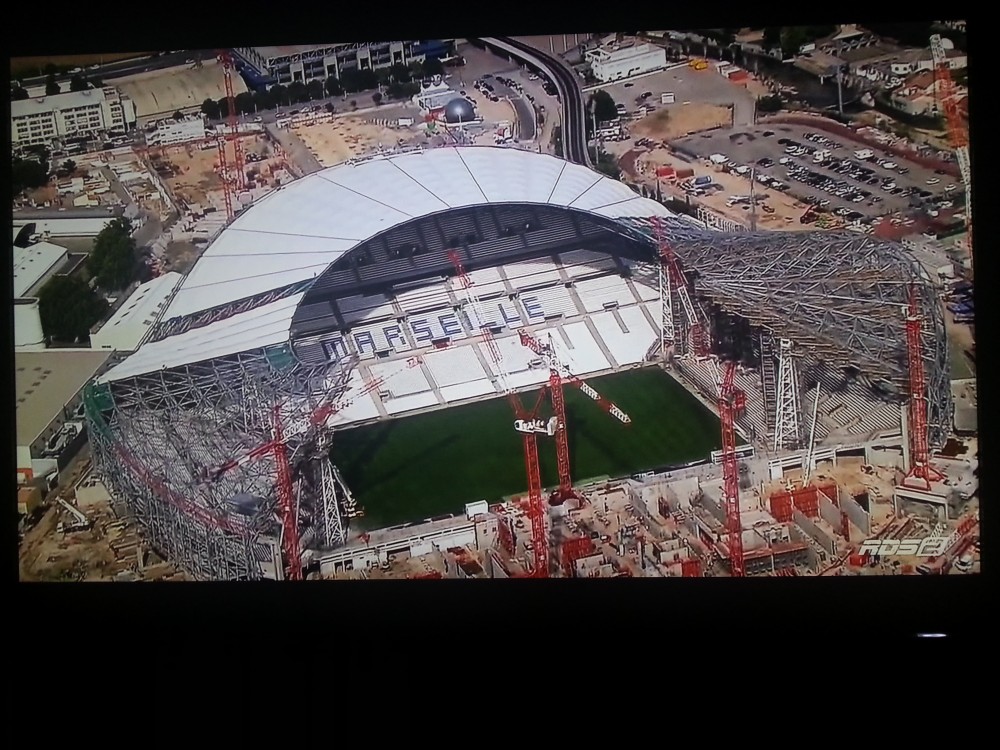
535,504
278,447
227,189
921,471
958,131
234,129
697,330
731,402
558,370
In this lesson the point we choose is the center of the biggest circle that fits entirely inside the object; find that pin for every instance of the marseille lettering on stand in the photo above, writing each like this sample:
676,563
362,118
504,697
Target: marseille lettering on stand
450,324
421,331
394,334
533,308
364,342
511,317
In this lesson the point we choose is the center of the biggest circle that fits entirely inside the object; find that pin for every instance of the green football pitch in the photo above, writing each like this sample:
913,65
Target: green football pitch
416,467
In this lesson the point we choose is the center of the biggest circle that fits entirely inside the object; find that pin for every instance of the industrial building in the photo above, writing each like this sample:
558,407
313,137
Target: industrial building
44,119
266,66
617,63
125,330
158,94
170,131
364,298
34,264
47,387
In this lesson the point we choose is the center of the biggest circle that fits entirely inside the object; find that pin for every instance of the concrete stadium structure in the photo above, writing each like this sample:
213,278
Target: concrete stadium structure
341,278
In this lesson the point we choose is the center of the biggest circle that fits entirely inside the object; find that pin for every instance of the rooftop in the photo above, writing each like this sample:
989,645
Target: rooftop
287,50
44,382
142,309
43,104
32,263
163,92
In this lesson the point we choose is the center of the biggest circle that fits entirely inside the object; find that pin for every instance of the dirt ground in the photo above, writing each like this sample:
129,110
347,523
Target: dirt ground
107,551
196,169
342,138
181,256
679,120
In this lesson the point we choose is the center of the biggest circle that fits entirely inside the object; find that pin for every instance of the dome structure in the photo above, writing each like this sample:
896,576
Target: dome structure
459,110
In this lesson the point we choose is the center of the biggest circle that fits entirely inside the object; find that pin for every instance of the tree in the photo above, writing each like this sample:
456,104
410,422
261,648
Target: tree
18,93
416,69
223,105
350,80
772,37
377,98
279,95
354,104
68,308
112,261
263,100
603,106
28,174
315,89
768,104
69,166
401,73
333,87
210,108
78,83
297,92
330,108
433,67
244,103
51,86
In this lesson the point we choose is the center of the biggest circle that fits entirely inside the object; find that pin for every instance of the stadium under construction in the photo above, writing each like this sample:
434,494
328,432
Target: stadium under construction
402,283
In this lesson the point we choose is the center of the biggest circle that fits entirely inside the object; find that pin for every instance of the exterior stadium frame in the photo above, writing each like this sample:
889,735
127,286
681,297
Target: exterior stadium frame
158,435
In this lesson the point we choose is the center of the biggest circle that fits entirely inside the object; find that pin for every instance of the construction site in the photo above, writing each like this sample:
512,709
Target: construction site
490,273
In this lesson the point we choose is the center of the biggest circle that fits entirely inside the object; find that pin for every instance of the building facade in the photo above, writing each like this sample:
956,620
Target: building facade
615,64
44,119
267,66
170,131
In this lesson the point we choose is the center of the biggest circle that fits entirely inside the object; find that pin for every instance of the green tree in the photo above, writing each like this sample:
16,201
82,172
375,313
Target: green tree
768,104
223,105
401,73
315,90
279,95
178,115
416,69
350,80
69,165
354,104
263,100
330,108
78,83
377,98
18,93
113,259
210,108
244,103
28,174
68,308
433,67
603,105
772,37
333,87
297,92
51,86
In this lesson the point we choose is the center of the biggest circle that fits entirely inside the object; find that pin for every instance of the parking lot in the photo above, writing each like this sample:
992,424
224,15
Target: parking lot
688,86
831,173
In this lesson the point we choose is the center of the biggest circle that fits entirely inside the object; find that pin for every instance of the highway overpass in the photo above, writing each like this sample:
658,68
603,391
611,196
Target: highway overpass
574,134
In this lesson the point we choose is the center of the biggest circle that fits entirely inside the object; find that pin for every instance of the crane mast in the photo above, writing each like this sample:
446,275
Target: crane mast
921,471
958,133
731,402
529,440
678,283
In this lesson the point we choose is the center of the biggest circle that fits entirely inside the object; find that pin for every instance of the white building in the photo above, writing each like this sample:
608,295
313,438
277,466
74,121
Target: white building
42,119
614,65
169,132
34,265
126,329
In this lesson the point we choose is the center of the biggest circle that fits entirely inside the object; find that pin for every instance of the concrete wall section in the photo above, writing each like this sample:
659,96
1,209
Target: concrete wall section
828,511
709,504
856,513
814,532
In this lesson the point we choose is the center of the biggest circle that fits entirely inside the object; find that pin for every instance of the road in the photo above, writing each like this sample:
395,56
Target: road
574,136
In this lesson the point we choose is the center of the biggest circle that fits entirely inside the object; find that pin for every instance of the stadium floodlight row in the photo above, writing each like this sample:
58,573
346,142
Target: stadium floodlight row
268,326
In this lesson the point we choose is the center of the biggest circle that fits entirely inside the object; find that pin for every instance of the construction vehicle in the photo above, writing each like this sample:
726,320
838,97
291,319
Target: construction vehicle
698,64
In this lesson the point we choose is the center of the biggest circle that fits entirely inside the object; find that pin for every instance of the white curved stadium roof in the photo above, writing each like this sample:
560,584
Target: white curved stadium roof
297,231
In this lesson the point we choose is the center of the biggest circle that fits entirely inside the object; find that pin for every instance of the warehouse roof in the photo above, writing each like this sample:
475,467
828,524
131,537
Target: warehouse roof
140,312
163,92
32,263
296,232
45,382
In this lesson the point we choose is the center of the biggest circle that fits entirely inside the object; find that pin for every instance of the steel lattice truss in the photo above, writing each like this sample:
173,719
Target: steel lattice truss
158,440
839,297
